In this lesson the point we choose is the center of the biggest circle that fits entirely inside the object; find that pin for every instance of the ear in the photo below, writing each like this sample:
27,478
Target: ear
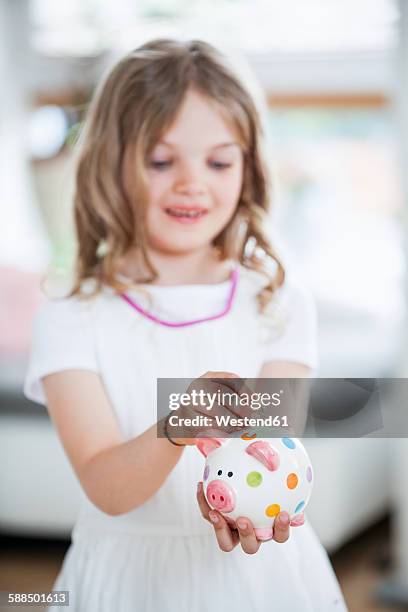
263,452
208,445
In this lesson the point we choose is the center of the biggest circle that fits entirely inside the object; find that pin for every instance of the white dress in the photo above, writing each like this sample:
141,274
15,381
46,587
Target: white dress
163,556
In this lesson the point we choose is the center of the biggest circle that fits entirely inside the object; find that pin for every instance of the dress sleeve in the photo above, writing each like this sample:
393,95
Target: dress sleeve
62,339
290,328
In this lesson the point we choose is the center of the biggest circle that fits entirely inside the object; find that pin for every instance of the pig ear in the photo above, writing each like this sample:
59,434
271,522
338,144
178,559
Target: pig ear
263,452
208,445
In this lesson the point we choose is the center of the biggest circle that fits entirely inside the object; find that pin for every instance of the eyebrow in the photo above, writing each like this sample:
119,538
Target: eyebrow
222,145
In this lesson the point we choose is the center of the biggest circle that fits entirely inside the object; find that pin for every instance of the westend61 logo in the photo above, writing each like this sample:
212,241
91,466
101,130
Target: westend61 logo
209,401
206,400
307,407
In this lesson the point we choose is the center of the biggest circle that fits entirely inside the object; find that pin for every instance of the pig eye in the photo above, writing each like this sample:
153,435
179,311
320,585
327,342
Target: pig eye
219,472
230,474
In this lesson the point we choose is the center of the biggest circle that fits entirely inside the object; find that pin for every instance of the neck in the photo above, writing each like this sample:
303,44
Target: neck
197,267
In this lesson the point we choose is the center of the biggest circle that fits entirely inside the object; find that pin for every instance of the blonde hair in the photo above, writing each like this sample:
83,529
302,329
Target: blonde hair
130,111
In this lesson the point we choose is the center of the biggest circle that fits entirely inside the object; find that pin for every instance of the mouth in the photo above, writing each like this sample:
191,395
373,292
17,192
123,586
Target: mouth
184,214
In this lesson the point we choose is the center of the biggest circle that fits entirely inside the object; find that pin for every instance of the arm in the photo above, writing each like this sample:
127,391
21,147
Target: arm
116,475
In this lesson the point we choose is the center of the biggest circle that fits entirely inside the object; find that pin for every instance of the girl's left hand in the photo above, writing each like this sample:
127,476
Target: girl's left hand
228,537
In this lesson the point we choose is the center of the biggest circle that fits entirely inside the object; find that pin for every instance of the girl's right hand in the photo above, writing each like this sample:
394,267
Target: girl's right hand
210,383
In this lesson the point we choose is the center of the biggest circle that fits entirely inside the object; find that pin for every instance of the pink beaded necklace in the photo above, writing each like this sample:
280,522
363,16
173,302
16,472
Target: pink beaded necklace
225,310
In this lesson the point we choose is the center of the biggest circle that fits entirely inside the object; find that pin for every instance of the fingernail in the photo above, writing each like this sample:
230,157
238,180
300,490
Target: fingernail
198,487
242,524
298,520
213,517
284,519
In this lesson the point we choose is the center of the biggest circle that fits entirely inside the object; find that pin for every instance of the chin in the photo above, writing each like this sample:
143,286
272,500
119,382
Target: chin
178,248
182,243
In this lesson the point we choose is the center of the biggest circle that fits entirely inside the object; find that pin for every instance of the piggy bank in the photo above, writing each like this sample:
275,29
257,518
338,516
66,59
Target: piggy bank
256,479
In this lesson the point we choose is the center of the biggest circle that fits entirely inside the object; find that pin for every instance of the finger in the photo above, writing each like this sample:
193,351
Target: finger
221,383
238,402
205,509
227,407
281,528
298,520
247,536
227,539
224,419
227,379
202,502
230,394
232,524
219,374
210,388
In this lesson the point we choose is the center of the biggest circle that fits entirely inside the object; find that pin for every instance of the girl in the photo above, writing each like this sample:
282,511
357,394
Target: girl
174,279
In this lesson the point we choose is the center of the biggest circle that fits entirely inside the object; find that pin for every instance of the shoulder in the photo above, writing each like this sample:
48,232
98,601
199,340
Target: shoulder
62,339
63,324
63,312
65,321
288,325
292,295
65,309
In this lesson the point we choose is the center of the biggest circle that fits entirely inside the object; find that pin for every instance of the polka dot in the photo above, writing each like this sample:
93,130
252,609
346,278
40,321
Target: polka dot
292,481
299,507
289,443
272,510
254,479
309,474
206,472
248,437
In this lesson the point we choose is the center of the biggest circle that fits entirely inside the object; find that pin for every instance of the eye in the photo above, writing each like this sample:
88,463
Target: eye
219,472
160,164
230,474
217,165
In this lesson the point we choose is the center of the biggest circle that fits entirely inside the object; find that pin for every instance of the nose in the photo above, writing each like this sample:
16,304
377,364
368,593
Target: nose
220,496
189,182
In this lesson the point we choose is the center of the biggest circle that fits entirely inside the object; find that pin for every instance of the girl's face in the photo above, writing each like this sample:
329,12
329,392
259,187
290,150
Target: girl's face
195,177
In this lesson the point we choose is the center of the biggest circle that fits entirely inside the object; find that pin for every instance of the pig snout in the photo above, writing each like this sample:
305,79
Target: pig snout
220,496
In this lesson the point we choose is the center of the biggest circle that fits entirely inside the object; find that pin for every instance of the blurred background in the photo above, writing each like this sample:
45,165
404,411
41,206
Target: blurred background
334,78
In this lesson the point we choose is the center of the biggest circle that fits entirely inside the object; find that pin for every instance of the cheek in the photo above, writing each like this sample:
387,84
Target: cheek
158,185
228,189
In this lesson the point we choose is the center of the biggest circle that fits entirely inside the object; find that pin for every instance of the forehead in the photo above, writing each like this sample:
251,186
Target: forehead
200,120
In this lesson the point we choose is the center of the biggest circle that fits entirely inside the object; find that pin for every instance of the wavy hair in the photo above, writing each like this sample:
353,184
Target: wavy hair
130,111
